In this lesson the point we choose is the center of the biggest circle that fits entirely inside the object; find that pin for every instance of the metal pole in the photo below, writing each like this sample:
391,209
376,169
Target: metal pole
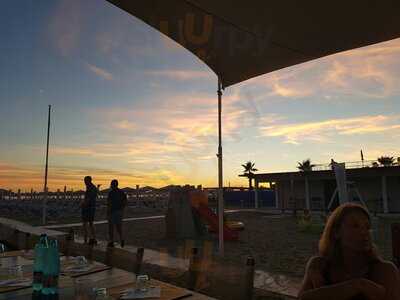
44,204
220,177
362,158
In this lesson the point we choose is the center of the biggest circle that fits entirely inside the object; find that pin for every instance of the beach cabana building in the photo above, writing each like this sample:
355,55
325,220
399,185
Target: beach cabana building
378,187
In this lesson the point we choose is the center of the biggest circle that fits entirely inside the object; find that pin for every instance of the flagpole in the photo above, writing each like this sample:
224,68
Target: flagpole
362,158
44,204
220,175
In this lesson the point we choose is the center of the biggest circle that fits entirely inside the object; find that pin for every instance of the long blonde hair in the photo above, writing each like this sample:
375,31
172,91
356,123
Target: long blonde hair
329,245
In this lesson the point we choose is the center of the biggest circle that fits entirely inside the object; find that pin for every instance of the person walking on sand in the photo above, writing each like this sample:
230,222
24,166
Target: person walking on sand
116,202
88,209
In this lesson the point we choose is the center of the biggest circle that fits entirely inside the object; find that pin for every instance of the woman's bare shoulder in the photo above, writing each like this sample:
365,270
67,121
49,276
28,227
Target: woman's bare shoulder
317,262
316,259
385,267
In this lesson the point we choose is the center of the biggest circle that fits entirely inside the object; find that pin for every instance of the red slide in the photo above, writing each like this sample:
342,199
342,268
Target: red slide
212,219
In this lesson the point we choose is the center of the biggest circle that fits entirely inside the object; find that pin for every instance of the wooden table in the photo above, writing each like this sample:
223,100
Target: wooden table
115,280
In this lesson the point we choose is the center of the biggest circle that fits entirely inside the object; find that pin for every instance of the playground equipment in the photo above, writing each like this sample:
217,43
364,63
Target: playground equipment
199,203
235,225
179,220
343,187
188,213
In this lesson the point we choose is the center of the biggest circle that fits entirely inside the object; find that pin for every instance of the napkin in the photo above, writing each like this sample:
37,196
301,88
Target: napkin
78,268
151,292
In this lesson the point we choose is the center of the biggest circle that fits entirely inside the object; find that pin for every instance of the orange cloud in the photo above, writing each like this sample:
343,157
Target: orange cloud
185,121
181,141
320,131
124,124
17,177
336,75
286,91
365,72
97,150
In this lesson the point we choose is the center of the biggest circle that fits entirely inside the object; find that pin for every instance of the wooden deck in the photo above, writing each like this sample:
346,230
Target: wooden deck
113,279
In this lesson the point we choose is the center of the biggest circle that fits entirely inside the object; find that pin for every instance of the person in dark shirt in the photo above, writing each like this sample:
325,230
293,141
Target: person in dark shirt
88,209
116,202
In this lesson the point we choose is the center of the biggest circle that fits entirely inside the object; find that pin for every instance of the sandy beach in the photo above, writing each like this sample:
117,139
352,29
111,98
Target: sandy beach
277,242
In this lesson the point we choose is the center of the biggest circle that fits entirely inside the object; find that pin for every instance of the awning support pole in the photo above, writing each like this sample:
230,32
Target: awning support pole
220,177
44,203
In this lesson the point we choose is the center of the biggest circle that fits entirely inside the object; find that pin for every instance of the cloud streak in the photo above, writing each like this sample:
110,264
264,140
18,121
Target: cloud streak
321,131
371,72
102,73
180,74
125,125
14,176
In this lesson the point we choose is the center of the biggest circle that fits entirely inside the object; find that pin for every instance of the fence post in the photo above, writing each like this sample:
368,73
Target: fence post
137,195
250,264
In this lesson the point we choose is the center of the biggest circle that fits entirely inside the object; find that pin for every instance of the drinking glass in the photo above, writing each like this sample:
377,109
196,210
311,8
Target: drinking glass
141,284
82,261
101,294
17,272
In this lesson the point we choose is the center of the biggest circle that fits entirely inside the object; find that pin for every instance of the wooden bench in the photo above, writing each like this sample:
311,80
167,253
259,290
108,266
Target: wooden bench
23,236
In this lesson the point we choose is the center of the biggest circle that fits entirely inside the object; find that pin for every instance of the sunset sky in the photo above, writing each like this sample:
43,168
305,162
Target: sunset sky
132,105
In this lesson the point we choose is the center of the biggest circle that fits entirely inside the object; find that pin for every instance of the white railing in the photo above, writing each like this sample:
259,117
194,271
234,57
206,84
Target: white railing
352,165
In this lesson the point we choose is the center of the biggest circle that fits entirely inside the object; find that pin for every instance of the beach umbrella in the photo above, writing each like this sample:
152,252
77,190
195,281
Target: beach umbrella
239,40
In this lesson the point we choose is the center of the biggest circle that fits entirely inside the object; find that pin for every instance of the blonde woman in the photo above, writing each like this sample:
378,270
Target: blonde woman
348,265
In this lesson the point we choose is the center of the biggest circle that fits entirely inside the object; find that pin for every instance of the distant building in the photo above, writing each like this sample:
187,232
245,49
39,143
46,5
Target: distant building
379,188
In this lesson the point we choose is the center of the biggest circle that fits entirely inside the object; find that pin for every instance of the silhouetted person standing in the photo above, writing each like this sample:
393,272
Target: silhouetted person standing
116,202
88,206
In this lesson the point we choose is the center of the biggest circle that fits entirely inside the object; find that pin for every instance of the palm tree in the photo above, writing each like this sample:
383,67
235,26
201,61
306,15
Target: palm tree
386,161
248,171
305,166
